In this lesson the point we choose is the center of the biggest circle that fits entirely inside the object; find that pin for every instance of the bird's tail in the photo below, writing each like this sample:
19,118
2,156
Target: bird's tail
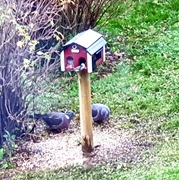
35,116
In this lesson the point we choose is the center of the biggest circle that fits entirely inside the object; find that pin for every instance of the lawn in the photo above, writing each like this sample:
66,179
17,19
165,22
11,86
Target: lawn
145,85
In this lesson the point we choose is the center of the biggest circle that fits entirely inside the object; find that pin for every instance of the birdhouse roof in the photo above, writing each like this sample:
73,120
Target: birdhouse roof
90,40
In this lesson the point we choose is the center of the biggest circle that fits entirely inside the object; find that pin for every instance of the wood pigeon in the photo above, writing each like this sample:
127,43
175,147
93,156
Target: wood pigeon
100,112
55,120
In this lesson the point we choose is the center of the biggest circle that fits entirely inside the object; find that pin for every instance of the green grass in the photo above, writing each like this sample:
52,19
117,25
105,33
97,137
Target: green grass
172,124
148,87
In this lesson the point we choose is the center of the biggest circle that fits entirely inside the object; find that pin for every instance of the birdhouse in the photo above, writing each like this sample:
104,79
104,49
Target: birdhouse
83,52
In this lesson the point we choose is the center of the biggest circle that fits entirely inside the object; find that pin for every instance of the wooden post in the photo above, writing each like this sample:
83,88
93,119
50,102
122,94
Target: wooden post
85,111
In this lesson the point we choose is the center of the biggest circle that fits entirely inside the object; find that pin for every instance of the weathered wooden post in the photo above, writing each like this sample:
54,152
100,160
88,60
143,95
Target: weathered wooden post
85,111
83,54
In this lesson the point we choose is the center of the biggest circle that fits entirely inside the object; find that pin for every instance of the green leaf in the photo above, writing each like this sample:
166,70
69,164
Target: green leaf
1,153
52,23
47,56
5,165
27,38
13,137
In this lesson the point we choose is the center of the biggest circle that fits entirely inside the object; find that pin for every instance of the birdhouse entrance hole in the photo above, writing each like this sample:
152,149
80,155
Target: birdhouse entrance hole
69,63
82,60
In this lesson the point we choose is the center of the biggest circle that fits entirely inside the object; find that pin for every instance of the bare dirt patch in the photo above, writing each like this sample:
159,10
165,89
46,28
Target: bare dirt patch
64,149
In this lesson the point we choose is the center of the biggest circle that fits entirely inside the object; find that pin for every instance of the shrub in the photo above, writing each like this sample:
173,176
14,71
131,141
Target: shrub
27,56
31,37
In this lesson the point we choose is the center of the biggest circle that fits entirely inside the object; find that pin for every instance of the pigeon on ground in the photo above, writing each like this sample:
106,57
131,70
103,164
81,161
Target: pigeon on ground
56,120
100,112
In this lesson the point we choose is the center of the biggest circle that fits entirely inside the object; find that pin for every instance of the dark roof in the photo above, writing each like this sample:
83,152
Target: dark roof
91,40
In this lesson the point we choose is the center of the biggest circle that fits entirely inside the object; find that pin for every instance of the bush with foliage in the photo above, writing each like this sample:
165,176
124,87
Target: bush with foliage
27,56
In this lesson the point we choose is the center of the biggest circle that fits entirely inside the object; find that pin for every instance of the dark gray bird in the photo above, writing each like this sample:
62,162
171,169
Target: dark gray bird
55,120
100,112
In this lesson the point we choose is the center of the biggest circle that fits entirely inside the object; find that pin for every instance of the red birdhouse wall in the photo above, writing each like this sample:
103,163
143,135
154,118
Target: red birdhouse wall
73,57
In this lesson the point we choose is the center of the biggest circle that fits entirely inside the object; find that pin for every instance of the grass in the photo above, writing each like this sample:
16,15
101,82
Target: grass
147,86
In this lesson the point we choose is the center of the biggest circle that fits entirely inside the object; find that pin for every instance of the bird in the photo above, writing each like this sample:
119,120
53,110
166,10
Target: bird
100,112
80,67
55,120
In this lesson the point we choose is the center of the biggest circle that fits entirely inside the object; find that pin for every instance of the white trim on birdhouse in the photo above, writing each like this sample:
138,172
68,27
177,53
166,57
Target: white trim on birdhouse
85,38
104,54
98,44
89,63
62,61
89,39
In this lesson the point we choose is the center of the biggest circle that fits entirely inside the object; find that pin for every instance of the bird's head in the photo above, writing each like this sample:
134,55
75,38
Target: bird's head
105,112
71,114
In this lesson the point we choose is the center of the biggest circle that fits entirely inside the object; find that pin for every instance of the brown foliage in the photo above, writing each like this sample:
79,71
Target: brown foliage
26,55
80,15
